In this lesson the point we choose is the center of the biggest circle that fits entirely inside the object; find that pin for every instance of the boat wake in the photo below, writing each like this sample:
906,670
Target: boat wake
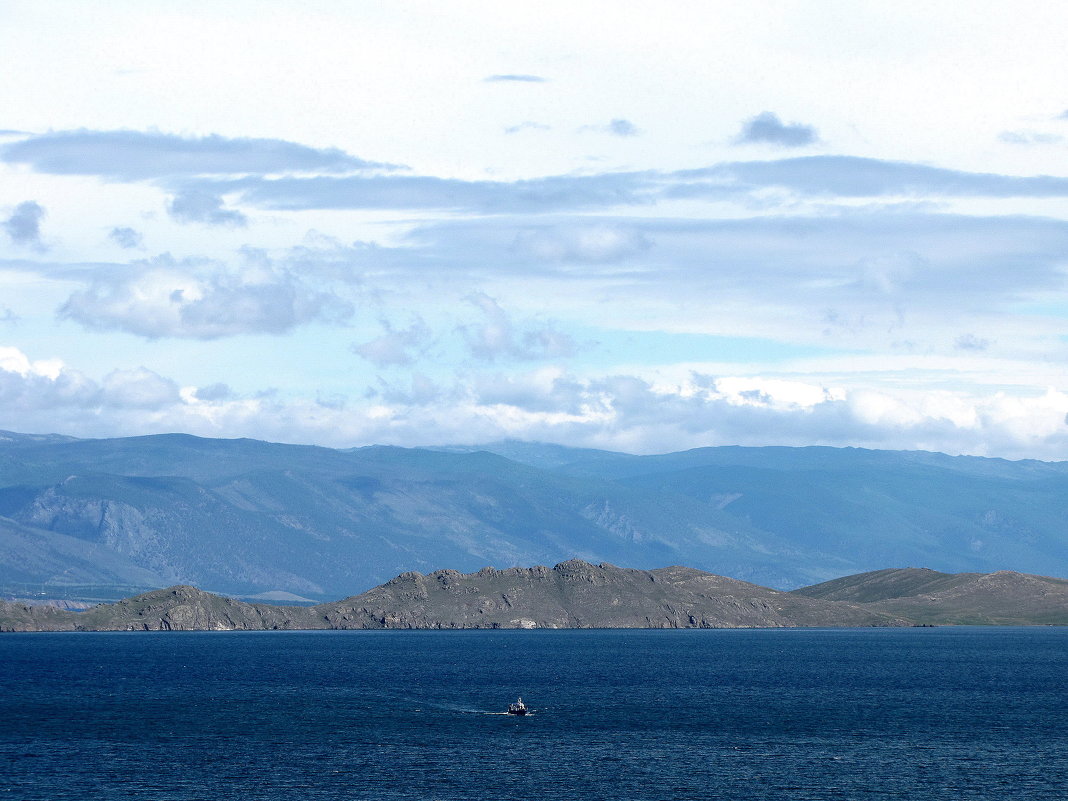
459,710
517,709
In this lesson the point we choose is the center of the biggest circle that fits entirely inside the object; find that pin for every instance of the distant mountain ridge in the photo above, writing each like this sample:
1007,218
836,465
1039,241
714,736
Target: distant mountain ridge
576,594
108,518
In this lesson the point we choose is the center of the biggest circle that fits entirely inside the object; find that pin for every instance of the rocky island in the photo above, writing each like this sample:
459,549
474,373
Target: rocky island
577,594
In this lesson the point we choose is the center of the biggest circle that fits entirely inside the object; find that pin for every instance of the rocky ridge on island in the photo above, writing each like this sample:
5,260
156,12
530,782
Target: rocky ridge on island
576,594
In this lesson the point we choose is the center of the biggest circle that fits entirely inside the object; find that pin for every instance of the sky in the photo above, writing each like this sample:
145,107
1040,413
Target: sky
600,224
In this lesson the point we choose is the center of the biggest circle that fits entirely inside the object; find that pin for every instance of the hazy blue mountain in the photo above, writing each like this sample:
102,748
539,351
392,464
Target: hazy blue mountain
536,454
247,517
33,559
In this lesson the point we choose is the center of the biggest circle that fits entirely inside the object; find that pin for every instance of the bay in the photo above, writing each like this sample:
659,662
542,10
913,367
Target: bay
945,713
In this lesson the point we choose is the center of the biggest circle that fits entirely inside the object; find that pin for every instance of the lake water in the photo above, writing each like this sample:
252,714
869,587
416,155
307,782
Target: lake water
776,715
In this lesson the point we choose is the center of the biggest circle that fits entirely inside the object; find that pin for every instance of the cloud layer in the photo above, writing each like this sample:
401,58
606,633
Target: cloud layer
139,155
832,299
623,412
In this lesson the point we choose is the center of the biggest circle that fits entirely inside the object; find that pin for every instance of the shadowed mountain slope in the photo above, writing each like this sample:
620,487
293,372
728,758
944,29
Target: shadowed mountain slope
33,558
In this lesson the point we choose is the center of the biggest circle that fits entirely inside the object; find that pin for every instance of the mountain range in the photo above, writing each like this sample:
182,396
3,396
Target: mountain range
101,519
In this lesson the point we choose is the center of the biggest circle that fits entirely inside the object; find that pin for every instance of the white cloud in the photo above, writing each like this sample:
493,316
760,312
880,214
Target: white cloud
13,360
197,299
625,412
140,388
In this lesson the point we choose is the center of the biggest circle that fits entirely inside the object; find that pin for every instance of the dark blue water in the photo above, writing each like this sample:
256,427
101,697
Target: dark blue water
922,714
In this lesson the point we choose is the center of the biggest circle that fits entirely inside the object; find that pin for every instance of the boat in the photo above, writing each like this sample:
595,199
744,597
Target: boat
518,708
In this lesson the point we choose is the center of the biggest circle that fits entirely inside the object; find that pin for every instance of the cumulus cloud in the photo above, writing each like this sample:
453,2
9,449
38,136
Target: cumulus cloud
139,388
195,206
32,392
514,78
632,413
48,396
139,155
498,337
622,412
24,224
767,128
395,346
214,392
549,391
200,300
126,237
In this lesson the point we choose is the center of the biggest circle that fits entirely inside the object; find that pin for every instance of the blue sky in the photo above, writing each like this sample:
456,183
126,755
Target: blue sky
842,223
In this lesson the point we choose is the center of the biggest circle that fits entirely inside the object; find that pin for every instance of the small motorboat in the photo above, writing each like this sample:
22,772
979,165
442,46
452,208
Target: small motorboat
518,708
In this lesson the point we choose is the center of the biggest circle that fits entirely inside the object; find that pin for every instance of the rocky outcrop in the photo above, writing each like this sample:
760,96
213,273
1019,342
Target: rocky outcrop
179,608
576,594
17,616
